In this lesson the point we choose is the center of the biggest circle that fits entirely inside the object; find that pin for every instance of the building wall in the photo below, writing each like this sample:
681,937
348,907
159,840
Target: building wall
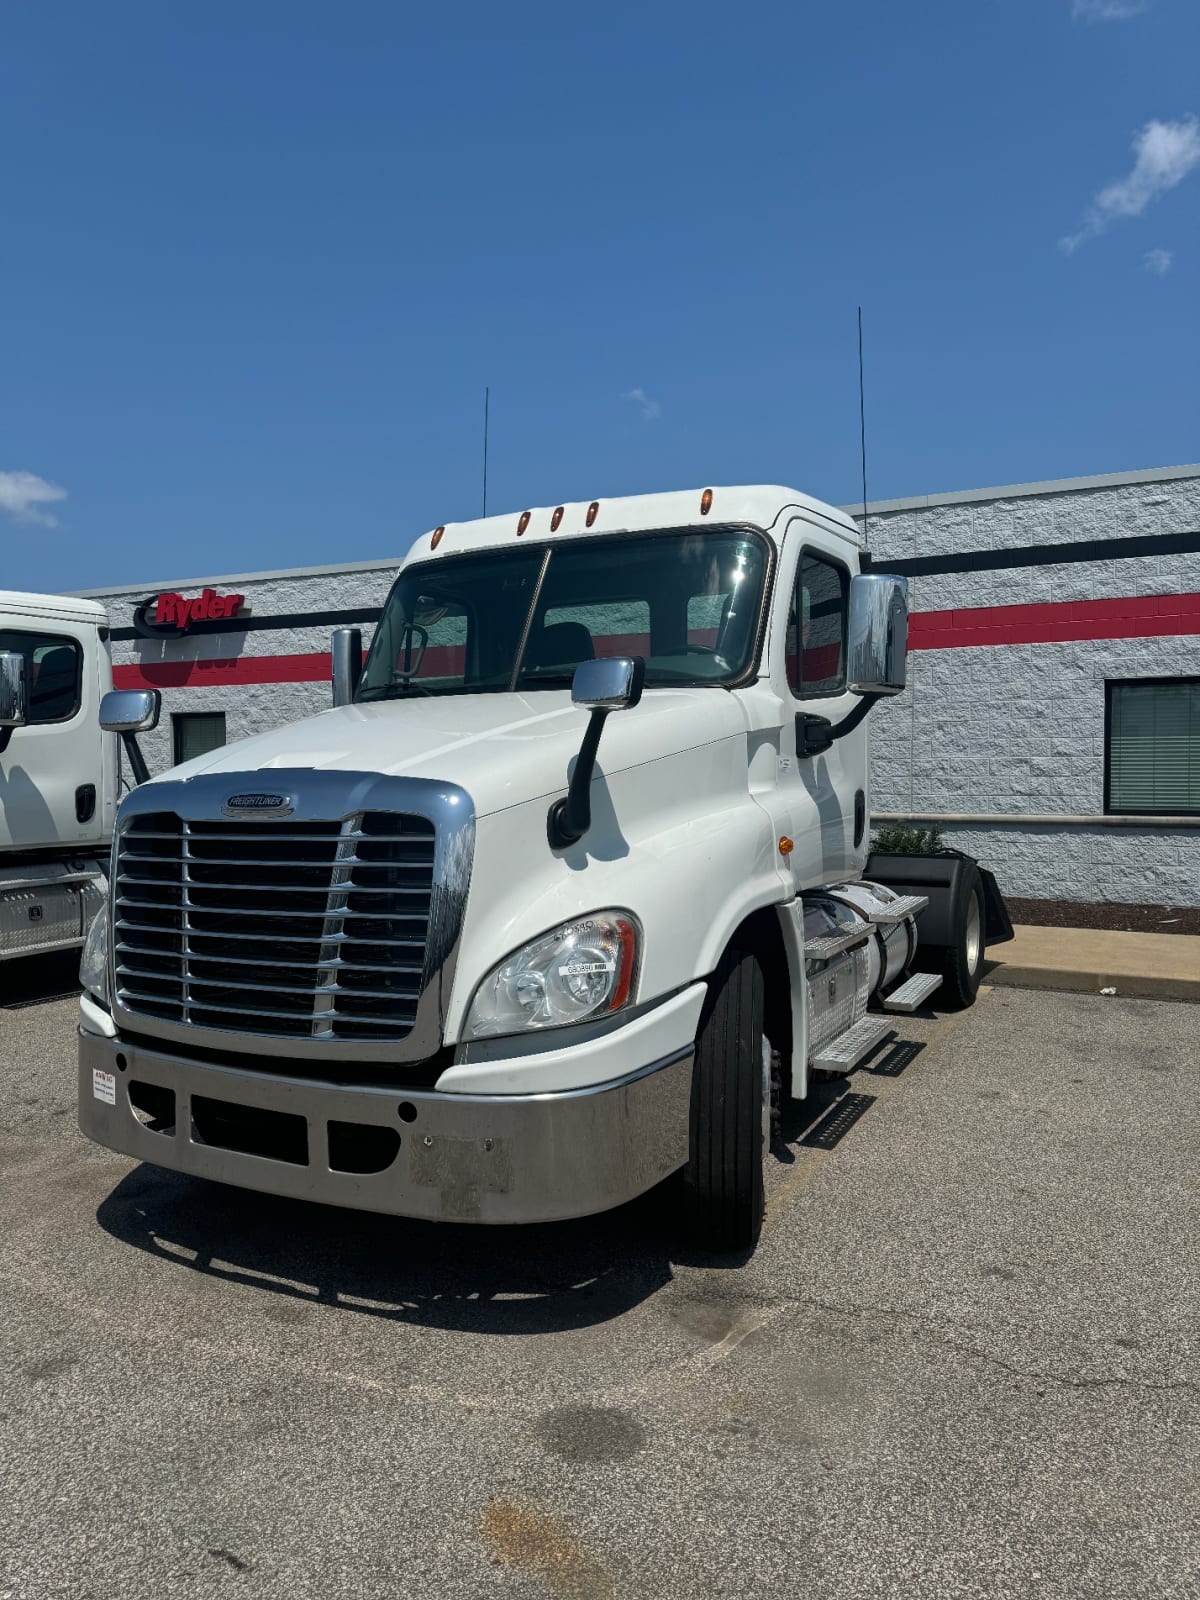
1004,716
1018,728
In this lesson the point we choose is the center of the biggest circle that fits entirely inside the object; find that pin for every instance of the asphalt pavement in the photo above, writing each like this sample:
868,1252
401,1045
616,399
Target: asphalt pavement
963,1361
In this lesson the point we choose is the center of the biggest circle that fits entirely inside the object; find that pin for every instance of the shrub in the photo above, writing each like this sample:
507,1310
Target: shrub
902,839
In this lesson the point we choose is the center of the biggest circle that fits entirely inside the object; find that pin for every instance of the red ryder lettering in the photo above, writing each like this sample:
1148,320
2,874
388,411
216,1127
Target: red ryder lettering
173,611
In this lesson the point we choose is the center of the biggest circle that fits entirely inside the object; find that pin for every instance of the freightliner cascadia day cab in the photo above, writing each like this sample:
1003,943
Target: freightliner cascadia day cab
58,771
520,927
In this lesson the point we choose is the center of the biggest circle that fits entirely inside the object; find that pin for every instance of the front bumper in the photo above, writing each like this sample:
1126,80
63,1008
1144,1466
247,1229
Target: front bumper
457,1157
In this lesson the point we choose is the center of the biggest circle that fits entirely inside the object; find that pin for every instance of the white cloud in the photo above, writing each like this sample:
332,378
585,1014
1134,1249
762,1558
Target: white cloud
1107,10
22,494
1164,154
1158,262
648,409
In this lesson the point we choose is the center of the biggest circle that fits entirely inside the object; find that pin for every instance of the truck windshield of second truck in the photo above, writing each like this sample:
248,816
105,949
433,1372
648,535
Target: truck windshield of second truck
522,618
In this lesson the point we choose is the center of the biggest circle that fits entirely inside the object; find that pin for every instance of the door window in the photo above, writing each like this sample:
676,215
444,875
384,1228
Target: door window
816,634
53,672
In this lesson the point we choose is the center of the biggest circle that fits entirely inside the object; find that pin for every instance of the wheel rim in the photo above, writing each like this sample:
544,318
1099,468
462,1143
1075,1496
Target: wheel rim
974,932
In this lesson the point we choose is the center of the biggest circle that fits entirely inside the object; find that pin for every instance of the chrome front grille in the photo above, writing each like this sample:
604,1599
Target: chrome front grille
305,929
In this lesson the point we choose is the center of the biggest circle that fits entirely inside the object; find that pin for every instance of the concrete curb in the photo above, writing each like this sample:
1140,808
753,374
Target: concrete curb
1140,985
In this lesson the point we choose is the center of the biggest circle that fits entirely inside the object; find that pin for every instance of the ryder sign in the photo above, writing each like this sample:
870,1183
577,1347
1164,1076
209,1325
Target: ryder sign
172,614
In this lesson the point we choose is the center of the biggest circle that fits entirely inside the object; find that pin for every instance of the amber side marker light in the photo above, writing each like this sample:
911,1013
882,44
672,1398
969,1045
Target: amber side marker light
556,519
593,511
437,537
706,502
523,522
786,846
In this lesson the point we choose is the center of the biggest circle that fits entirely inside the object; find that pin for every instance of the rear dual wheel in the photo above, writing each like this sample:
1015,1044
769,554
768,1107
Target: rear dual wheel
961,963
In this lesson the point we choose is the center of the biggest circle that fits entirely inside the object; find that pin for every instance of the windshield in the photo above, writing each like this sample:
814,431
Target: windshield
524,618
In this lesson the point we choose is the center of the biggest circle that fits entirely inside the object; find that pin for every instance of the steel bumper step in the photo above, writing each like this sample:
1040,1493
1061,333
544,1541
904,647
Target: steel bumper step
913,992
849,1048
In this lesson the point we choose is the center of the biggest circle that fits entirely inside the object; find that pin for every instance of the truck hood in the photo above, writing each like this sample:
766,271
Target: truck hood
503,749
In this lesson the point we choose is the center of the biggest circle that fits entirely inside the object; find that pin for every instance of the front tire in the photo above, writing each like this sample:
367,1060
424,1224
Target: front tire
723,1180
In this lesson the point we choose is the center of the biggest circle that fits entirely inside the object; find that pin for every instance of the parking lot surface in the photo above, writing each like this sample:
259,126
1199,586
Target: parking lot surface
961,1363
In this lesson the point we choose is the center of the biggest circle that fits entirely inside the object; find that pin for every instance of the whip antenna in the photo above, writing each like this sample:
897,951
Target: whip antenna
862,423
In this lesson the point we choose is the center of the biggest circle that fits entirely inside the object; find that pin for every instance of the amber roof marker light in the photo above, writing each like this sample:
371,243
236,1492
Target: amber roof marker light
706,502
593,511
556,519
437,537
523,522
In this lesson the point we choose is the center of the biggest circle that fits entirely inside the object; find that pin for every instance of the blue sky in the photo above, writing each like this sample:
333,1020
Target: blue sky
260,258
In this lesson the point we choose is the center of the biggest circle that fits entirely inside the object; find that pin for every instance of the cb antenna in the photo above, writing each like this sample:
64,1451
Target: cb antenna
487,393
862,423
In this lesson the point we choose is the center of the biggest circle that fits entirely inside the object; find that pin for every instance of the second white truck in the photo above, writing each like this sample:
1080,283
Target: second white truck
58,771
517,929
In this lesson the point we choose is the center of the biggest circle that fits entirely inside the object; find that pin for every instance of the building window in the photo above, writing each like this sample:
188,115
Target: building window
816,636
1152,754
53,671
195,733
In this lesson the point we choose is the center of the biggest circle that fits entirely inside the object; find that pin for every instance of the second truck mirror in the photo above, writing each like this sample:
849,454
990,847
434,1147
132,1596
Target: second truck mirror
878,635
345,650
14,700
130,710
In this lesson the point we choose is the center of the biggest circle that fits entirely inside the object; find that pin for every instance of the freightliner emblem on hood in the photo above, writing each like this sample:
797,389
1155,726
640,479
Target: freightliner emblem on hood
279,805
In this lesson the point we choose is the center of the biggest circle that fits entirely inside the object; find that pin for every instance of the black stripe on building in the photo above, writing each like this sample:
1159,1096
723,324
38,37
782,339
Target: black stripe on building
294,619
1040,555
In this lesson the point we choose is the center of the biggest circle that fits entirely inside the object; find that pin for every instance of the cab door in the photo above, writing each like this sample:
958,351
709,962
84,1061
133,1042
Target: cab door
826,792
51,777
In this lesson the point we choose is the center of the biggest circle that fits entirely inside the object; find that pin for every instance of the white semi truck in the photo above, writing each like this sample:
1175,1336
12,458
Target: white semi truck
519,928
58,771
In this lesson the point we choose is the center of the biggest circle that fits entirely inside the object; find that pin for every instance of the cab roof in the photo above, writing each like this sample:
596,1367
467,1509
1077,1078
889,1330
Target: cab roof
52,605
759,505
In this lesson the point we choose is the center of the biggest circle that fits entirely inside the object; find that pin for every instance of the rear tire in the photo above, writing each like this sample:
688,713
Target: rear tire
962,966
723,1180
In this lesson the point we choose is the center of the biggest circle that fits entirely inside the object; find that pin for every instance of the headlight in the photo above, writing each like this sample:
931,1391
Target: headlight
93,967
581,971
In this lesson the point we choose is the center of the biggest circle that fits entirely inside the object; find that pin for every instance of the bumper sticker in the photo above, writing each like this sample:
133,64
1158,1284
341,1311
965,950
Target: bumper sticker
104,1086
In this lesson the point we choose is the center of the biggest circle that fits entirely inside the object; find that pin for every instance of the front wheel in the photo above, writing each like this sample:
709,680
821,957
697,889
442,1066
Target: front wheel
723,1180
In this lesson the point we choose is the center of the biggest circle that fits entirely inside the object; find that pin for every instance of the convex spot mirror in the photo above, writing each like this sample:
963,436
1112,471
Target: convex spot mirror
130,710
14,697
878,634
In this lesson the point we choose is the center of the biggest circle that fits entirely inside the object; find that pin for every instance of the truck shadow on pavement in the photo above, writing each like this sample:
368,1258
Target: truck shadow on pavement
546,1278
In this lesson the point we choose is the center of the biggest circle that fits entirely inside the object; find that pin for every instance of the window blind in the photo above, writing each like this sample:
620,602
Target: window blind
1154,747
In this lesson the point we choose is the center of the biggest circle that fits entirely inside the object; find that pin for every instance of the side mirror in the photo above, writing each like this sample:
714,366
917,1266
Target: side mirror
613,683
130,710
345,650
878,634
14,695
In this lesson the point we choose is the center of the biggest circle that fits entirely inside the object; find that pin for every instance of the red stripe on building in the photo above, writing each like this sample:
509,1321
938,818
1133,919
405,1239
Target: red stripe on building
245,669
1058,622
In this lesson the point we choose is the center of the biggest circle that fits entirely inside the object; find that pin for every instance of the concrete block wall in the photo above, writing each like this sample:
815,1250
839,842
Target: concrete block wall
249,708
1020,728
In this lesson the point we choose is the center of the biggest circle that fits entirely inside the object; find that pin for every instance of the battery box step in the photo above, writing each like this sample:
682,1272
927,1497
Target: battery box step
849,1048
913,992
